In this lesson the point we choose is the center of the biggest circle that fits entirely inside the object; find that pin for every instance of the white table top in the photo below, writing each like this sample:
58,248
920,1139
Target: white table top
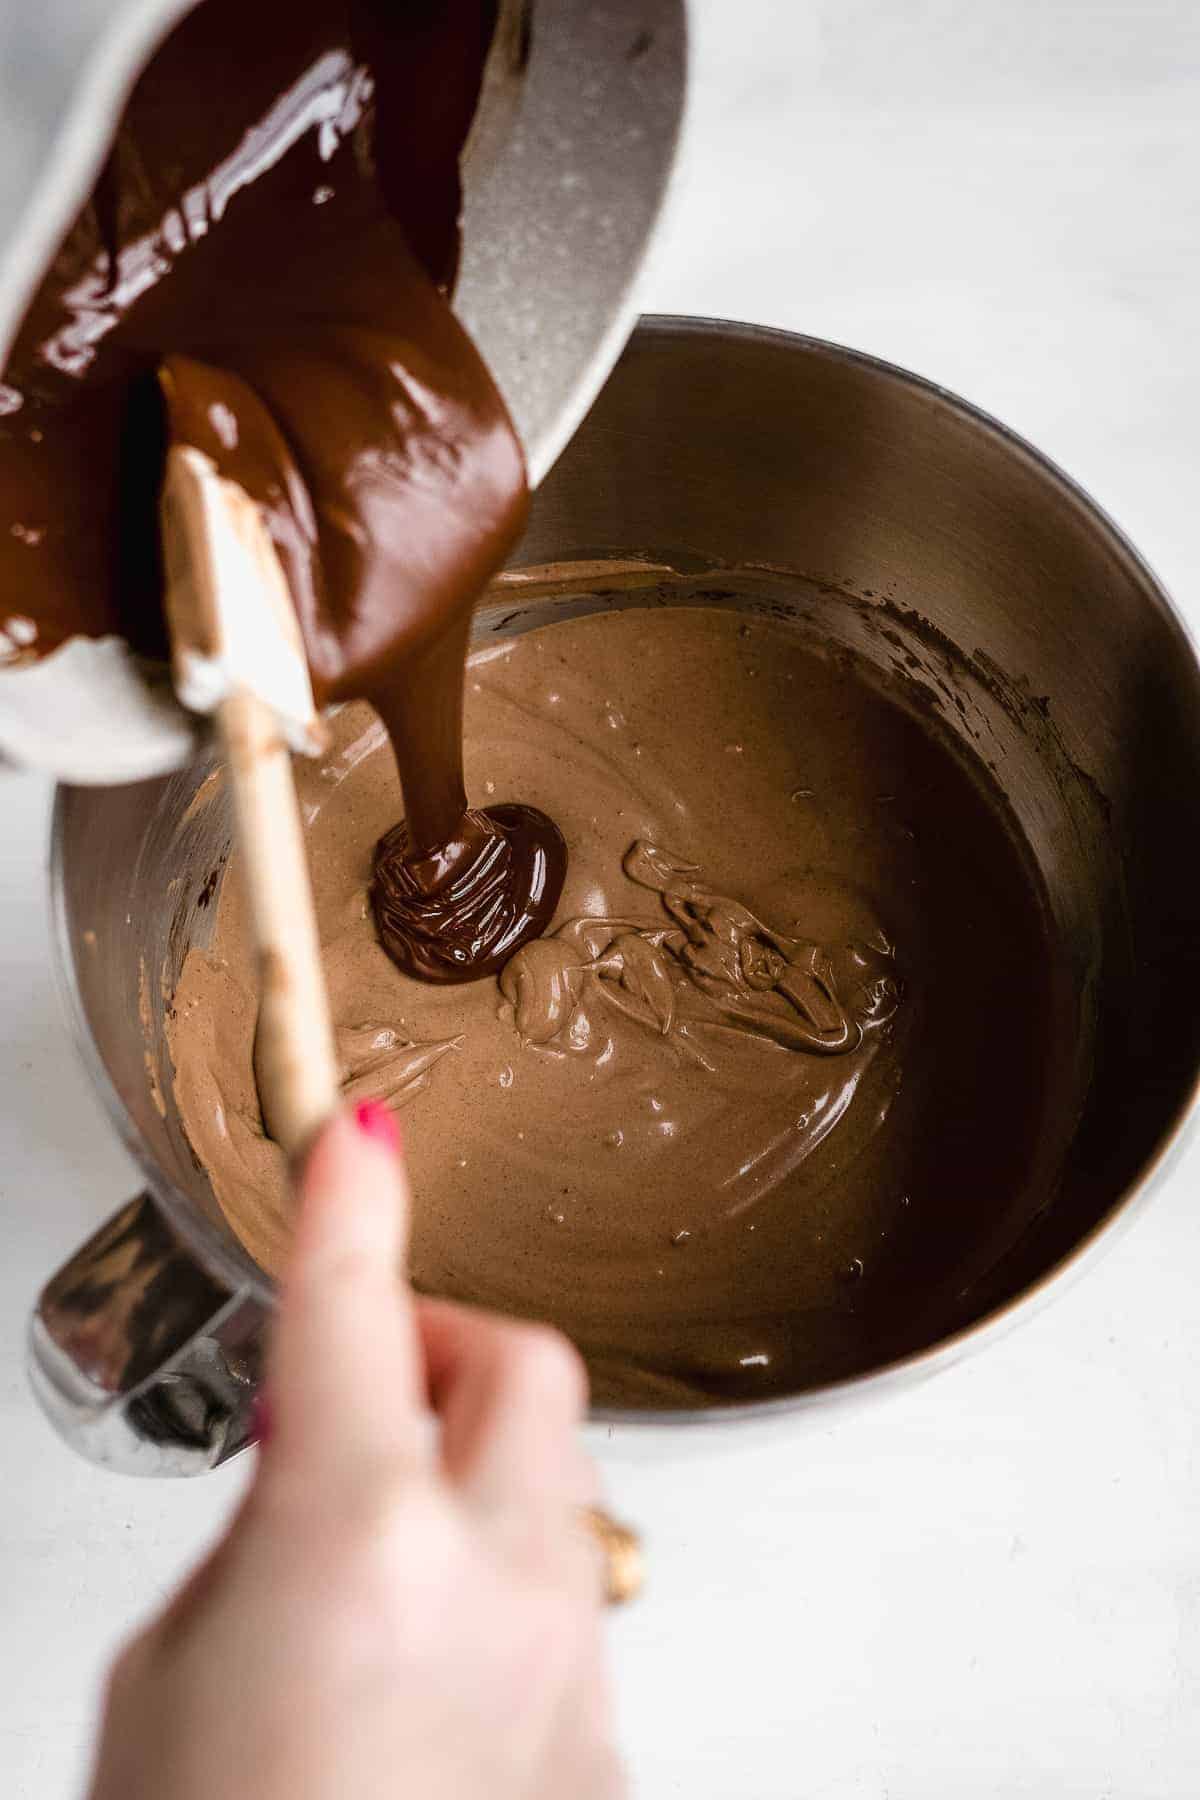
986,1586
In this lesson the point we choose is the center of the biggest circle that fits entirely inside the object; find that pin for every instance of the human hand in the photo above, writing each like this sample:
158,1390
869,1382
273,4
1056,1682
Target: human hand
395,1610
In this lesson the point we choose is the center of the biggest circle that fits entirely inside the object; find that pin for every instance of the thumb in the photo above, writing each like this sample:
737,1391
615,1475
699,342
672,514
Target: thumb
343,1372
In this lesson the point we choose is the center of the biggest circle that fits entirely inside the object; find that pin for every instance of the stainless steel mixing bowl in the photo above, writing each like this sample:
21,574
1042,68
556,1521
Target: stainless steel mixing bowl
730,466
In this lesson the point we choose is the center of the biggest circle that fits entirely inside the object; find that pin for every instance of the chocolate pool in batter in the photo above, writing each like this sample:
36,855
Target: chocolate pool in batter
775,1077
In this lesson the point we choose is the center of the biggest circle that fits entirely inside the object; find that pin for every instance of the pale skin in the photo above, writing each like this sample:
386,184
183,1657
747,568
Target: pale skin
406,1603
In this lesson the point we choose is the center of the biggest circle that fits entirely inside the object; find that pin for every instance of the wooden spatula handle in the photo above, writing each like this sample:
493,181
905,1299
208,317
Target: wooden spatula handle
294,1059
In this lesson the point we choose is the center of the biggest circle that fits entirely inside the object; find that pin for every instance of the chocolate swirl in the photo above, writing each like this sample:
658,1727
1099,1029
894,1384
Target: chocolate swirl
462,911
716,965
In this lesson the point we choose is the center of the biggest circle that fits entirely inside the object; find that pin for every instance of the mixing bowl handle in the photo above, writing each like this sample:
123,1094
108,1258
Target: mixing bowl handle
142,1359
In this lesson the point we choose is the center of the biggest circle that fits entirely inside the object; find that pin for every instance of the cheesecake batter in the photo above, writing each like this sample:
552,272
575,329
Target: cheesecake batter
776,1075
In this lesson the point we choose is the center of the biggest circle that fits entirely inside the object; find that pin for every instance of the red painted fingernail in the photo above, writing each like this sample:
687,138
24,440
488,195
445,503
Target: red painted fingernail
262,1420
377,1121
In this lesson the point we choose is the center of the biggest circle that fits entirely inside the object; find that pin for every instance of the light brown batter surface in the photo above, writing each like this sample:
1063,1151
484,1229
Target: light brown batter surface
773,1089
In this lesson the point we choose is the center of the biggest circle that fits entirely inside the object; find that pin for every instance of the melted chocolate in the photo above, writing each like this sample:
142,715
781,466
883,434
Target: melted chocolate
462,911
286,252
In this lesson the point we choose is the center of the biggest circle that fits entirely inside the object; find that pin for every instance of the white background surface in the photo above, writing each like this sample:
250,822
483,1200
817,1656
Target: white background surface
988,1586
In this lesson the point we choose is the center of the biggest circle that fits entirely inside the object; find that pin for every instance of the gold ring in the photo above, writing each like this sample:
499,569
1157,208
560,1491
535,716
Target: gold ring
624,1564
